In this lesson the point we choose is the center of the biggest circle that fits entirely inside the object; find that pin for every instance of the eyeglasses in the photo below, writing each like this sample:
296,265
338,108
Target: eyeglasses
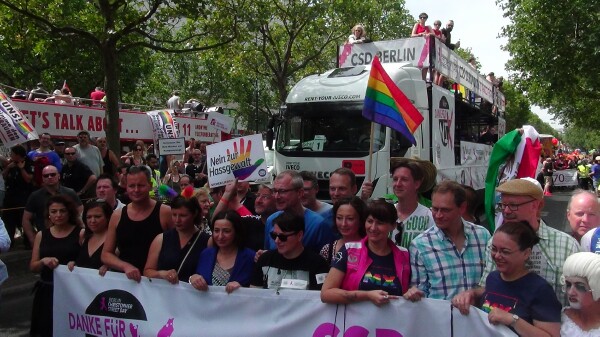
502,252
99,200
69,153
513,207
282,237
283,190
580,287
48,175
398,236
423,17
264,196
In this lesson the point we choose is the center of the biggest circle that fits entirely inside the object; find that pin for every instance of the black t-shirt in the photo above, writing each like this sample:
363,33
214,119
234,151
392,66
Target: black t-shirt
191,170
254,232
548,169
75,176
380,275
17,190
273,271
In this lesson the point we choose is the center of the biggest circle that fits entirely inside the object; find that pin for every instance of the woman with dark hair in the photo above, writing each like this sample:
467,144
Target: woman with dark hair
96,215
227,263
513,295
173,255
349,279
57,244
349,215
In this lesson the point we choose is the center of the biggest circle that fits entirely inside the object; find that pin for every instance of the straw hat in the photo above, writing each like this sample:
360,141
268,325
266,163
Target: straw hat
427,167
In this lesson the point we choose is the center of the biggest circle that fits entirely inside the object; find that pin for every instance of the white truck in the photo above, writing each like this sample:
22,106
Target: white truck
321,127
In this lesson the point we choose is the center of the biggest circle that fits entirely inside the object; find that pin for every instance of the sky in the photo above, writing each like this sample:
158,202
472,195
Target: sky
477,24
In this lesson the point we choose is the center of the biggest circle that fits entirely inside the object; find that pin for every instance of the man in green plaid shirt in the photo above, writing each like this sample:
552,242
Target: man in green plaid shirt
523,200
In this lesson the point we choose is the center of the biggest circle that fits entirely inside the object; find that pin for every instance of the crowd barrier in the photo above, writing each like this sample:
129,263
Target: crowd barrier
88,304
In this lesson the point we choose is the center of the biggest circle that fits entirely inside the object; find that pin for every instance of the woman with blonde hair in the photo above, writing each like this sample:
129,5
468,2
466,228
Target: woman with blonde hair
359,35
581,273
201,194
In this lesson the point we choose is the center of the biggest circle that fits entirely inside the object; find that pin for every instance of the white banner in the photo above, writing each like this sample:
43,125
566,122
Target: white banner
242,158
459,71
162,123
501,127
65,121
473,176
565,178
220,121
414,50
442,127
475,153
15,128
86,303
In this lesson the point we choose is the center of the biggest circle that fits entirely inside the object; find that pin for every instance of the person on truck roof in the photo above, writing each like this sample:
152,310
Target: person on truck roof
409,178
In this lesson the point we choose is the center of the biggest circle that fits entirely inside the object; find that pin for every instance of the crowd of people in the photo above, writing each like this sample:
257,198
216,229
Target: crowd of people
278,236
586,165
60,96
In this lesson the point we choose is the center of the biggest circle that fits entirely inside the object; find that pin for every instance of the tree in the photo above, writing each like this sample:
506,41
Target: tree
116,27
554,48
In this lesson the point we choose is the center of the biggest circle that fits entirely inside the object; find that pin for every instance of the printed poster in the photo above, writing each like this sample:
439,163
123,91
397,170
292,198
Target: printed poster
15,128
240,158
442,127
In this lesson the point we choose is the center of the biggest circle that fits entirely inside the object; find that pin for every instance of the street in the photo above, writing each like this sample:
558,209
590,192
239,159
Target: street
15,311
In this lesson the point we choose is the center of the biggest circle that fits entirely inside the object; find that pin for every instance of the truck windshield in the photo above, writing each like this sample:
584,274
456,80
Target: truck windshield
328,130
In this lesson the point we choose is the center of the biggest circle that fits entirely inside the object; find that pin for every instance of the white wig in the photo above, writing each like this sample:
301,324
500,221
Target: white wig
586,265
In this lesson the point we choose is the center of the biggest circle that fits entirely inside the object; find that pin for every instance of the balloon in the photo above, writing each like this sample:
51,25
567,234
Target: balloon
554,141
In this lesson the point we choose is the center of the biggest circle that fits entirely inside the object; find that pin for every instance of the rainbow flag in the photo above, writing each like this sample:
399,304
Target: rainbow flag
387,105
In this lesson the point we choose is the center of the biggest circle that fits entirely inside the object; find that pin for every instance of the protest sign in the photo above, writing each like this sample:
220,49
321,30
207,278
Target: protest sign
168,146
240,158
220,121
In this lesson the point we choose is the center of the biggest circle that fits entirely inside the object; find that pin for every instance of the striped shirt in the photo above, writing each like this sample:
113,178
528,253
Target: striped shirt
546,259
439,269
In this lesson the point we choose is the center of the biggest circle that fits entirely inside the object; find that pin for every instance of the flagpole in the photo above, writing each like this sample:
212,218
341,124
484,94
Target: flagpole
371,150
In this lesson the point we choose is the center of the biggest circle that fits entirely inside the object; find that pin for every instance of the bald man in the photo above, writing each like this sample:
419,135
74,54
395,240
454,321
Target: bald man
583,213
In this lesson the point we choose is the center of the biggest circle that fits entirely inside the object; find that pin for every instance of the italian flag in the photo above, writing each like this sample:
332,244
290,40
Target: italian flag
515,155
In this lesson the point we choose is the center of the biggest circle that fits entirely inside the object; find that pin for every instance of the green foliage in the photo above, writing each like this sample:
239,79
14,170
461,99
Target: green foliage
554,49
585,138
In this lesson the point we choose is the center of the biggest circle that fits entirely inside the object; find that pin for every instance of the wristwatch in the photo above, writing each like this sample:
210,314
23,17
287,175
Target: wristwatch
514,321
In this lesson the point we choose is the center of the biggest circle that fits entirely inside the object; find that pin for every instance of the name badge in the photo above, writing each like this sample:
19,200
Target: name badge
294,284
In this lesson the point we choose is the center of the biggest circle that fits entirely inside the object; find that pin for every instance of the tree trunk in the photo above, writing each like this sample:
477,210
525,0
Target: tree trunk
111,85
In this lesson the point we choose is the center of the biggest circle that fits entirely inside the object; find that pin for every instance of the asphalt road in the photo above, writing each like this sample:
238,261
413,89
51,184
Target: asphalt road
15,311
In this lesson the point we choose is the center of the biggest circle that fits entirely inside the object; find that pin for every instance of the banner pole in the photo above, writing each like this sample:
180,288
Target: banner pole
371,150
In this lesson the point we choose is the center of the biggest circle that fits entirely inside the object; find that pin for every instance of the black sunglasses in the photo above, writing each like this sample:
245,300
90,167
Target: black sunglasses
48,175
282,237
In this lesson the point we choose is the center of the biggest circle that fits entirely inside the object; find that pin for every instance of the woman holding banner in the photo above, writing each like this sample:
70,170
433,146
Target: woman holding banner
513,295
57,244
375,254
227,263
96,215
173,255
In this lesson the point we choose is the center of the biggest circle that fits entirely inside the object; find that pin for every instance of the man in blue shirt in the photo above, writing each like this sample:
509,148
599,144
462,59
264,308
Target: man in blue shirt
288,189
595,173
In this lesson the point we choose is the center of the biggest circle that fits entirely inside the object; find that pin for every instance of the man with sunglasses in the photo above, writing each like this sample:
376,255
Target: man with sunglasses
88,153
290,265
288,191
447,34
77,175
523,200
36,204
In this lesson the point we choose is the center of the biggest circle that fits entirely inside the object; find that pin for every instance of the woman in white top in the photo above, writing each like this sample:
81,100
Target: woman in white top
359,35
581,318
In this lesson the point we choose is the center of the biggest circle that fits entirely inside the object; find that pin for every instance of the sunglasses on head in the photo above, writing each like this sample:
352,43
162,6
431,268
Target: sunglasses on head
282,237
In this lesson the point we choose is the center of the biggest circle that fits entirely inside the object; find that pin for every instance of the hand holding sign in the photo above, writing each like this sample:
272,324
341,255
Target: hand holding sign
239,169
